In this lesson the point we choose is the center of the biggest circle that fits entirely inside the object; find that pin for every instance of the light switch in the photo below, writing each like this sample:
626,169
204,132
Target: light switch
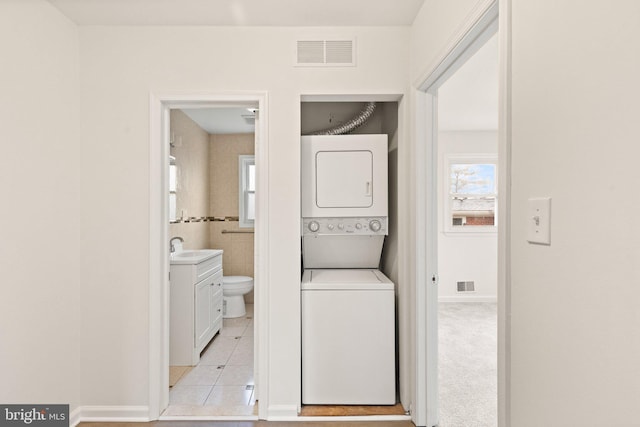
539,221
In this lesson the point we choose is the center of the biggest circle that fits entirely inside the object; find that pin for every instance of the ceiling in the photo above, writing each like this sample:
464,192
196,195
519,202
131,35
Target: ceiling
241,12
223,120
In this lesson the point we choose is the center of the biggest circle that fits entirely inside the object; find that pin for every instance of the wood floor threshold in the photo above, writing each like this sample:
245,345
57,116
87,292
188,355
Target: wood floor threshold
350,410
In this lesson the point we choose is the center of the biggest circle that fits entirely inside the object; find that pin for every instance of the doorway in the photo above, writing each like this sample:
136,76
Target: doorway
212,207
467,152
464,44
160,211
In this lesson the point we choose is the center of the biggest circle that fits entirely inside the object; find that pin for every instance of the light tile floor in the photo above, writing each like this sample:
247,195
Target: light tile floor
222,383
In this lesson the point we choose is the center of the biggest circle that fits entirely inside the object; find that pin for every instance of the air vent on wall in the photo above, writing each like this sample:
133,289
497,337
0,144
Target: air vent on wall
325,53
466,287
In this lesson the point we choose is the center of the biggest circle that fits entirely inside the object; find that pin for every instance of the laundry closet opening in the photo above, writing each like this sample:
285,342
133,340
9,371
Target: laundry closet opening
352,347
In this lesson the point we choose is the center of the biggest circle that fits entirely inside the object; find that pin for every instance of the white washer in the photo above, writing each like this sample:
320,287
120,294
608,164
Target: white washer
348,337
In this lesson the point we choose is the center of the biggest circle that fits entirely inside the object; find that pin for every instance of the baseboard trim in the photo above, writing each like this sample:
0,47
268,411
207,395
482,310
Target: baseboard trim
74,417
282,413
111,413
468,298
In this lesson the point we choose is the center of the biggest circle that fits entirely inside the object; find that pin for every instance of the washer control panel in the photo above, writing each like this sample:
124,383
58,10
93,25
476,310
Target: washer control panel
345,226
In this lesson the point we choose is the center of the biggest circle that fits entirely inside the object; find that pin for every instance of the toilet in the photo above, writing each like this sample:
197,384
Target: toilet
233,290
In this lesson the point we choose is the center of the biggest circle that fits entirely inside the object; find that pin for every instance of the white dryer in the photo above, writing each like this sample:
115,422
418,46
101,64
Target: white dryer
348,337
344,176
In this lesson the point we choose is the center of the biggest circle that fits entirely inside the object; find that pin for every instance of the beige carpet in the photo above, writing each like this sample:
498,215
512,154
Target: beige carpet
467,364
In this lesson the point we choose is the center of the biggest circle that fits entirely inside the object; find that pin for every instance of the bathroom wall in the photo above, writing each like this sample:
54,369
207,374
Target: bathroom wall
224,176
208,179
191,151
223,165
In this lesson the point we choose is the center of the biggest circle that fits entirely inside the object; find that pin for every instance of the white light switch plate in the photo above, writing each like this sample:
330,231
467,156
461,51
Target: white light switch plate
539,220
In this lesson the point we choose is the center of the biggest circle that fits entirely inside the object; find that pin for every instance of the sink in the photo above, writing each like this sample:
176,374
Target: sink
193,256
190,253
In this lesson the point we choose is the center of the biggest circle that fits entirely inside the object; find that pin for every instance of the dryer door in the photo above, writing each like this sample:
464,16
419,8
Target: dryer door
344,179
344,176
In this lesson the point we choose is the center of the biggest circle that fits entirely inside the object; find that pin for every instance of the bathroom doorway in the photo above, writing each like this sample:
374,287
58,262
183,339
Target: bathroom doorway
209,389
212,196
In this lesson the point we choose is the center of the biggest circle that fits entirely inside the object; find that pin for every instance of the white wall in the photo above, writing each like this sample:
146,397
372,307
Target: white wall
120,66
434,27
575,340
575,316
40,215
465,256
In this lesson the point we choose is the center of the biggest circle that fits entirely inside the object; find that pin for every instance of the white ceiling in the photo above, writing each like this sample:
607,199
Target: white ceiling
468,100
223,120
241,12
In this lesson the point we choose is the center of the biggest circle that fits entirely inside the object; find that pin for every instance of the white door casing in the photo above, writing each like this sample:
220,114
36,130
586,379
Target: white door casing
160,106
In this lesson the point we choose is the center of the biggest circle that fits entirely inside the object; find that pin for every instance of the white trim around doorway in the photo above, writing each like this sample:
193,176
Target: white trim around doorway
160,104
476,29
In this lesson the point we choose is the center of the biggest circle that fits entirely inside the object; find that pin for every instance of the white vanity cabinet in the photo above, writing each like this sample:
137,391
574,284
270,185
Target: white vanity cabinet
195,305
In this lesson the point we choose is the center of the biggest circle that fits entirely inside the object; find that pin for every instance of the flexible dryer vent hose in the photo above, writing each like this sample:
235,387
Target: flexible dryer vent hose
352,124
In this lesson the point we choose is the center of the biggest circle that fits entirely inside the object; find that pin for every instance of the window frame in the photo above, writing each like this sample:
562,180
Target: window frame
173,190
244,161
471,159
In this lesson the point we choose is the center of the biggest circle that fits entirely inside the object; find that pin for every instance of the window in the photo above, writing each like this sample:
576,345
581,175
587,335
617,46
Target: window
247,191
472,194
173,185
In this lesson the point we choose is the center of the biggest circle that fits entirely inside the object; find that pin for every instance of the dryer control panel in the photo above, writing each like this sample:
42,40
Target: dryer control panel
345,226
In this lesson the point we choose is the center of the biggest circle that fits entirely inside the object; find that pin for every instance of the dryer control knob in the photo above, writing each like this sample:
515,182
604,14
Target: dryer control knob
375,225
358,226
314,226
330,226
341,226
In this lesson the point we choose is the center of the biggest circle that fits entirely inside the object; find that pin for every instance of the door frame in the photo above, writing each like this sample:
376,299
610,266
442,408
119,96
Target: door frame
160,106
479,26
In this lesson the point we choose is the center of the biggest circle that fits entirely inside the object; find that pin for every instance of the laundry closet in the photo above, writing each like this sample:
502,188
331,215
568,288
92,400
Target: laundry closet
349,253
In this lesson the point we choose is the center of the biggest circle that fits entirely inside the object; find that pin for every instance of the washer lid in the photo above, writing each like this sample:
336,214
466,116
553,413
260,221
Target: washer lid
345,279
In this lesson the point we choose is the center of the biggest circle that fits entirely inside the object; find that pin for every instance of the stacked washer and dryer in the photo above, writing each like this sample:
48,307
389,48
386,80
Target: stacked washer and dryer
348,305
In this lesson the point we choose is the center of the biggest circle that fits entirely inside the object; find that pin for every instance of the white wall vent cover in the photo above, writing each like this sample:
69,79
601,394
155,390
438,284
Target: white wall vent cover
466,286
326,53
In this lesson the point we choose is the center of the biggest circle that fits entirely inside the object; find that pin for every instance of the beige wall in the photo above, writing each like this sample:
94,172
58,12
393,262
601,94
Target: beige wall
191,150
224,173
40,294
238,249
208,182
223,161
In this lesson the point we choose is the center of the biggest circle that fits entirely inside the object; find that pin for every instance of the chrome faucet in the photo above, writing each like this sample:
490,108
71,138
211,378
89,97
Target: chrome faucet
172,248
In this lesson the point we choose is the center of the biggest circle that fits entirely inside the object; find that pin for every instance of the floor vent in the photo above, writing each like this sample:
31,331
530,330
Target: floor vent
325,53
466,286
